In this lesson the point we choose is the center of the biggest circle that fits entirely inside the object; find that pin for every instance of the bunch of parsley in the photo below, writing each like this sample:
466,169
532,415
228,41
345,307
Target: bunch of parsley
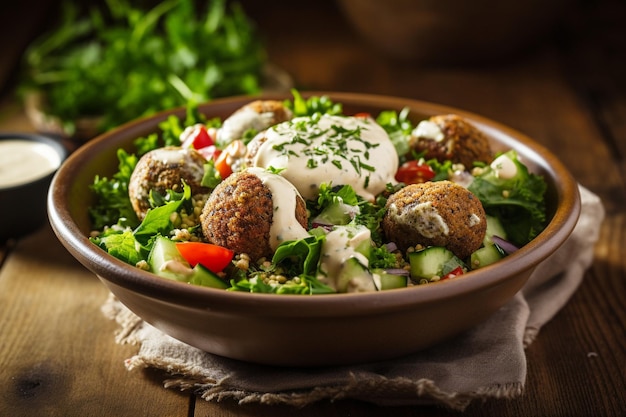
121,62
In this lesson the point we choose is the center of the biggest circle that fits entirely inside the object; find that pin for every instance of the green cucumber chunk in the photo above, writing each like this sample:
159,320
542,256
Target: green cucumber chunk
434,261
205,277
386,281
166,261
485,256
355,277
494,228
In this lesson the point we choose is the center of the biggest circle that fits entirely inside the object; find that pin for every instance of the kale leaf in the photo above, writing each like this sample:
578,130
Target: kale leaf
518,201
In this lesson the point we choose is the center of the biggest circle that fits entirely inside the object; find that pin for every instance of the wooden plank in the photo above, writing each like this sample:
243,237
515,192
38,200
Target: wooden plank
58,356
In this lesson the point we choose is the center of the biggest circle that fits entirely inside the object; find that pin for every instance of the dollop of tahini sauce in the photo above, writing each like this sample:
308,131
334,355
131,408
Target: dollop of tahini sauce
284,226
23,161
341,150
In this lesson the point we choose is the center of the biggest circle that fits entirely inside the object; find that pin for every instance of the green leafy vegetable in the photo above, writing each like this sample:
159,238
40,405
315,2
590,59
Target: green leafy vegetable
122,245
380,257
306,285
133,246
442,169
121,61
301,256
158,220
298,260
113,204
398,127
315,105
518,201
211,177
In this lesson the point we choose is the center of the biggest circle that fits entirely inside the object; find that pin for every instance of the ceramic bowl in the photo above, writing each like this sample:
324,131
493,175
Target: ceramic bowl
27,165
321,330
451,31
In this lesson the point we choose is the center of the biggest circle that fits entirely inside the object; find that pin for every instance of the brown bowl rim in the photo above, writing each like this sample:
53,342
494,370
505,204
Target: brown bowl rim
111,269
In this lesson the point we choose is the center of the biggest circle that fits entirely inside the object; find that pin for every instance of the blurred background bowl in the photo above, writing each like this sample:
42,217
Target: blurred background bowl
320,330
452,31
29,163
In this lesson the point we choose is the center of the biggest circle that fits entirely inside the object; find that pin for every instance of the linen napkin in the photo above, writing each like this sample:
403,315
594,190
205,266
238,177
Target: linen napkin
487,361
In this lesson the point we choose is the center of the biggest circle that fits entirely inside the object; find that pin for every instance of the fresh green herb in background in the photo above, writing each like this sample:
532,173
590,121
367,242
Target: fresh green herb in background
315,105
125,62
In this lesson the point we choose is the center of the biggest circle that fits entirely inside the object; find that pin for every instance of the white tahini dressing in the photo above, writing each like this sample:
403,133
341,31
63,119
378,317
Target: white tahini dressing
332,149
429,130
341,244
178,157
284,226
23,161
422,217
243,119
504,167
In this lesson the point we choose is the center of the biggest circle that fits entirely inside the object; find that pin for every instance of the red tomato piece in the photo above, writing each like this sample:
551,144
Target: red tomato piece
233,152
213,257
454,273
363,115
196,136
222,166
414,172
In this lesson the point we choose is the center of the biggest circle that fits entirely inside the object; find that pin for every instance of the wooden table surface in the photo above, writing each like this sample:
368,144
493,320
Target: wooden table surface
57,351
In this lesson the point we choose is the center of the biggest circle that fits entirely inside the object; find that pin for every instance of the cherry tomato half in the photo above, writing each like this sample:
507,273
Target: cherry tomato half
414,172
213,257
222,166
224,162
196,136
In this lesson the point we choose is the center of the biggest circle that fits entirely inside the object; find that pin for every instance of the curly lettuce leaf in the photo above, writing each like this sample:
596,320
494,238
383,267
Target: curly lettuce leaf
120,244
518,201
398,127
113,205
132,246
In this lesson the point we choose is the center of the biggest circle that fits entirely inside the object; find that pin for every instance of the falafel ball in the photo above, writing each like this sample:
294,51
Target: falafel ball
164,169
450,137
257,115
252,211
440,213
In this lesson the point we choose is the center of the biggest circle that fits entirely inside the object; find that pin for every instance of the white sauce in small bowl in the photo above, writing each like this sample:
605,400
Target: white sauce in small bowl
23,161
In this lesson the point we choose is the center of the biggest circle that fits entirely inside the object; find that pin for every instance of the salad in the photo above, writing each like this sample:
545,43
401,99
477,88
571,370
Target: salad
296,197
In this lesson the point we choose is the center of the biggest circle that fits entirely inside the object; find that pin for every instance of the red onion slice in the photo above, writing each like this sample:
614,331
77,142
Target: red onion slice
505,245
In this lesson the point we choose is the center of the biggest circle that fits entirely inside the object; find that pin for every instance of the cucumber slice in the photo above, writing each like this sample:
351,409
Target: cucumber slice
205,277
485,256
355,277
166,261
430,262
494,228
386,281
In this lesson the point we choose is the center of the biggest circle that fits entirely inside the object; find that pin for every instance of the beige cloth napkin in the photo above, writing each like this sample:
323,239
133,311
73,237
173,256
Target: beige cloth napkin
485,362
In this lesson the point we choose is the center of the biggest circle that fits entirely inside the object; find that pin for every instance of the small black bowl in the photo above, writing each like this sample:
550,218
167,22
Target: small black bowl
24,187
